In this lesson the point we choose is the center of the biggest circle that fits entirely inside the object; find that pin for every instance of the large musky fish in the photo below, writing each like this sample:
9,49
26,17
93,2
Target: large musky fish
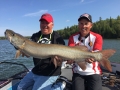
43,51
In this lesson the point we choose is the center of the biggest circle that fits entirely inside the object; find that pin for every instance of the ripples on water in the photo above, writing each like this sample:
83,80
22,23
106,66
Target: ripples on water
7,53
113,44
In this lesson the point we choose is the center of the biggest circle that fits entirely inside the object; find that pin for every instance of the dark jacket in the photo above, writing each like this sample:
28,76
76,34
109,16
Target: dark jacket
45,66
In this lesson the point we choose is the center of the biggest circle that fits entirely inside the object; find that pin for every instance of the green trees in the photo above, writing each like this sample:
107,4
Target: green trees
109,28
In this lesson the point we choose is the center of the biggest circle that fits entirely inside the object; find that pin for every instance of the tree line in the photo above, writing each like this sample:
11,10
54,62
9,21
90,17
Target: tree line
109,28
3,38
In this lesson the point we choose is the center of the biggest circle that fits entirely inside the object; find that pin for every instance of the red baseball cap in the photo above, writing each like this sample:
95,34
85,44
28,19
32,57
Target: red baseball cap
47,17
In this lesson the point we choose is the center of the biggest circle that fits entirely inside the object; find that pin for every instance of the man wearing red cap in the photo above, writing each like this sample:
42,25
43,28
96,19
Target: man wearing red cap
44,74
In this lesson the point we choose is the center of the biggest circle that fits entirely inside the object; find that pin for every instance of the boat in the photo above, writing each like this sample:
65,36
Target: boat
11,73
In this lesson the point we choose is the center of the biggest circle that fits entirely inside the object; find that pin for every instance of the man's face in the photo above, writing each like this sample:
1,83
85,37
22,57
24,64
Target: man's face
84,26
46,28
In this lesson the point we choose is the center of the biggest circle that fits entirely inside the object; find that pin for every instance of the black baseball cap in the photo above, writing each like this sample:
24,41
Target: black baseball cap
85,15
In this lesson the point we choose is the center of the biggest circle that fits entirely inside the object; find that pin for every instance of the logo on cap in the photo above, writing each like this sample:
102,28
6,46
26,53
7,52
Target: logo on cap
85,15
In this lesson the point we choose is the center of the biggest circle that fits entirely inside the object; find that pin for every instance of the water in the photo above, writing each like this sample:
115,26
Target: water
7,52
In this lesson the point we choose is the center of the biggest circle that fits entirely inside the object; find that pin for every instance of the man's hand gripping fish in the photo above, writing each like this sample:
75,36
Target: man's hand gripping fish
42,51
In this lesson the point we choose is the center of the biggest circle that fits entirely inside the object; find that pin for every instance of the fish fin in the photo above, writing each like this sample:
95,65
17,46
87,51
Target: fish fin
23,54
22,46
81,47
53,59
82,65
104,61
55,62
18,53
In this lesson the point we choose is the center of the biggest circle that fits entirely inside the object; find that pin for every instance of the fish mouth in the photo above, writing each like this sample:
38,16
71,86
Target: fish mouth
8,36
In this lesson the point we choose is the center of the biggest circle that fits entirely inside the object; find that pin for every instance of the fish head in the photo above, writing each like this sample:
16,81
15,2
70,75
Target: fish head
15,39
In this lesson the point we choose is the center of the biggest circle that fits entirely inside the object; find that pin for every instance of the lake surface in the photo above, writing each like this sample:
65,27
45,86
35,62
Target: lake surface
7,52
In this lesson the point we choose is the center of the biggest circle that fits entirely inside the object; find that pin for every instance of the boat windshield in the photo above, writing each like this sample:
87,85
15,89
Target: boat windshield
8,70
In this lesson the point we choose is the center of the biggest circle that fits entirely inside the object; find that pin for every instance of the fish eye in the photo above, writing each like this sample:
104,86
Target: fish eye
13,34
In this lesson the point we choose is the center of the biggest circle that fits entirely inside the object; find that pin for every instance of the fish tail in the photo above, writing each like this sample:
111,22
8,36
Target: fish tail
104,61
